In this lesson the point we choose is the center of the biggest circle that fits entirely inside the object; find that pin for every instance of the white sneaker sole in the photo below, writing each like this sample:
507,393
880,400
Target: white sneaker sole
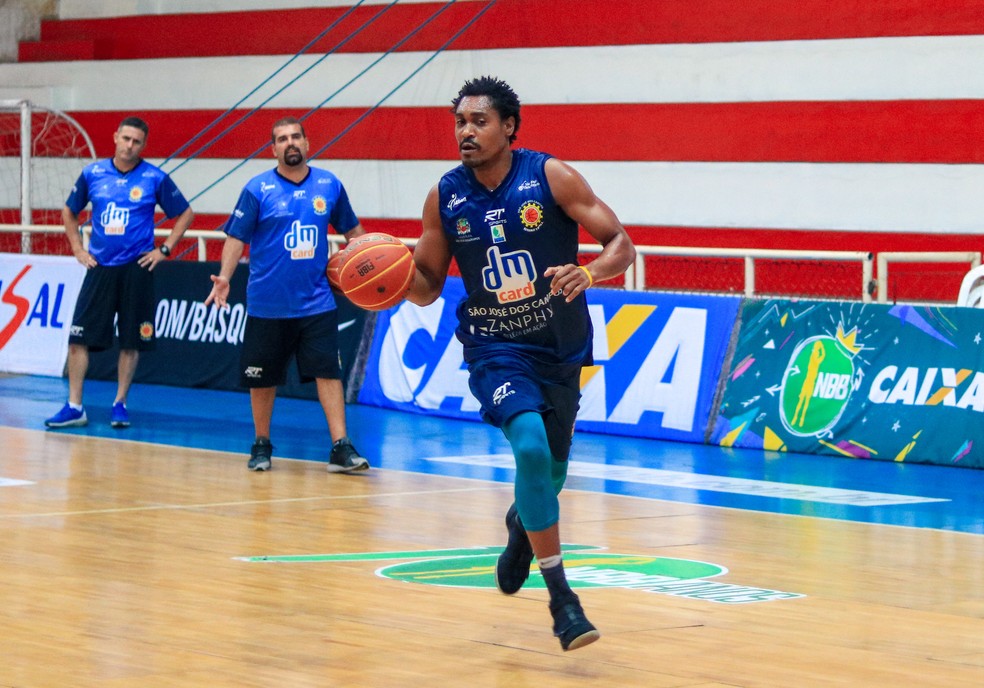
80,423
354,468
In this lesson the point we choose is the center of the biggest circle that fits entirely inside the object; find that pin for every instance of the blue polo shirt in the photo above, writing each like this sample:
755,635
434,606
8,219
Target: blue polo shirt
123,205
286,226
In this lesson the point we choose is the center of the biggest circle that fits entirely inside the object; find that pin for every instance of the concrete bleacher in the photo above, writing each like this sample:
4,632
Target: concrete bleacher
701,127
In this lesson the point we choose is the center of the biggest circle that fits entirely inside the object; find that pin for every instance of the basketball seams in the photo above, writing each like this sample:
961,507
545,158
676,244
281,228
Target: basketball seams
364,289
355,289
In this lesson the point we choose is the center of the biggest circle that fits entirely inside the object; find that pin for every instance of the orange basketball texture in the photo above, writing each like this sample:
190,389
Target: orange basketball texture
374,271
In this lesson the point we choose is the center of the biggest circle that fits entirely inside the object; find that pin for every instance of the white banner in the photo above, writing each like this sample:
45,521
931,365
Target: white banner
37,299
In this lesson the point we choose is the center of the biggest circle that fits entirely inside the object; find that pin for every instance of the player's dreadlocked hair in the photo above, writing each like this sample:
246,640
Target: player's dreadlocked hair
504,100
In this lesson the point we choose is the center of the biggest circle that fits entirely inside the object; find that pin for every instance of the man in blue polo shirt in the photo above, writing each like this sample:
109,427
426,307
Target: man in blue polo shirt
124,192
283,215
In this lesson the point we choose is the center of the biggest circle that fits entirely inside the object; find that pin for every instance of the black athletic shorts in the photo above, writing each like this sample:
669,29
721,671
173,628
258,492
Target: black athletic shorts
269,343
108,292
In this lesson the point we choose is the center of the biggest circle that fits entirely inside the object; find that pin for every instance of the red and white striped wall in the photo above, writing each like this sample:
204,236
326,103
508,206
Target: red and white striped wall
823,124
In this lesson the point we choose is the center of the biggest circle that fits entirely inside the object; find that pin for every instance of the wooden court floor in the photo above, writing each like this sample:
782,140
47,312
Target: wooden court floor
128,562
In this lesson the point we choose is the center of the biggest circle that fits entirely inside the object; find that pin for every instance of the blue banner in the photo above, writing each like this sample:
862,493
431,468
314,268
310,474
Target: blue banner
658,357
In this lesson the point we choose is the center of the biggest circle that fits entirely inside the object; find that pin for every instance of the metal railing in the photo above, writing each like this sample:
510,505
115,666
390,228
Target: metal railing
635,276
888,257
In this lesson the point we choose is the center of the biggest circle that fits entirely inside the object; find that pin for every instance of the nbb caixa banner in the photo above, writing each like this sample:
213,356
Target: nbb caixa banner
37,298
657,361
894,382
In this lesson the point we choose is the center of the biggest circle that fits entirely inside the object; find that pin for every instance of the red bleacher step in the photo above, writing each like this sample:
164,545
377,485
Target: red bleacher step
64,50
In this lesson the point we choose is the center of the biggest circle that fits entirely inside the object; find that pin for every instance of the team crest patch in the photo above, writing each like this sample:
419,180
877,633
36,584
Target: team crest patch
136,193
531,214
146,331
463,226
320,205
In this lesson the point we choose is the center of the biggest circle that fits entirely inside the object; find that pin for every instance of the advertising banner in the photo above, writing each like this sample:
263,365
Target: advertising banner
37,297
199,346
658,358
877,381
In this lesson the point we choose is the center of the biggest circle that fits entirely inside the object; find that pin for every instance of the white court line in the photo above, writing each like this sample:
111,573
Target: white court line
12,482
709,483
247,502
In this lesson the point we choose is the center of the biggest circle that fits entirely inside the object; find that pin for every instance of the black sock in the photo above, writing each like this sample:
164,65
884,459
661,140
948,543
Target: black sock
556,581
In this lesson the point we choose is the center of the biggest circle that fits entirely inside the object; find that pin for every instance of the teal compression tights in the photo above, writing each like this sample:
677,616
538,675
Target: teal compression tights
539,476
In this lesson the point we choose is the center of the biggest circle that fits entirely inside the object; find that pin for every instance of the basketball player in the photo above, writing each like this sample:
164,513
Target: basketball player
510,219
124,192
283,214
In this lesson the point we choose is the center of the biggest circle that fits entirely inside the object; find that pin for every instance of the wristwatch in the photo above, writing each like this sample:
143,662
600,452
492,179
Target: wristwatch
165,251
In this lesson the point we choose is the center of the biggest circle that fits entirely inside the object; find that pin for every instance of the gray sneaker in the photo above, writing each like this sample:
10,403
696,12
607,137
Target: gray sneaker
345,459
261,455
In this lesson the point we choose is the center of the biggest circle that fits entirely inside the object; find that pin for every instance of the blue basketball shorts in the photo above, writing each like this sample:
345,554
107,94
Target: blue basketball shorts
507,383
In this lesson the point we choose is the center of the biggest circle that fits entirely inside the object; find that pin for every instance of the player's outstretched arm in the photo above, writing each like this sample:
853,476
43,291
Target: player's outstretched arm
432,256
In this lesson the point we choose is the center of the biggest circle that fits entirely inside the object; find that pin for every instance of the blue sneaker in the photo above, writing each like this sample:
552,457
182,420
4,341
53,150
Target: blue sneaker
120,417
67,417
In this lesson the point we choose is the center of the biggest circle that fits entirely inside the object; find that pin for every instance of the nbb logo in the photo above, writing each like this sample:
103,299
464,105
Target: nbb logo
644,363
39,305
817,384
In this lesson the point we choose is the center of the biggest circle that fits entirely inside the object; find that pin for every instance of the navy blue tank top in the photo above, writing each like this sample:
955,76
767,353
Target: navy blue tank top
503,240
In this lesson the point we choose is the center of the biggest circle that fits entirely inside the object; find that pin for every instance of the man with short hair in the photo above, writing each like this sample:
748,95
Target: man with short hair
509,217
124,192
283,214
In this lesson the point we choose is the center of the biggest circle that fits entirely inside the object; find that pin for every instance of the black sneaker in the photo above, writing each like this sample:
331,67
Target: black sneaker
261,455
345,459
570,623
513,566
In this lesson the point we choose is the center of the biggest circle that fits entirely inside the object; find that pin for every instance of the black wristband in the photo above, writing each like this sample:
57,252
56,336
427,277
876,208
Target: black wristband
165,251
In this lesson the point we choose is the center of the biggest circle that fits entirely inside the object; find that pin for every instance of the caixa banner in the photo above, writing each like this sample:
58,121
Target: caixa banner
37,297
893,382
657,356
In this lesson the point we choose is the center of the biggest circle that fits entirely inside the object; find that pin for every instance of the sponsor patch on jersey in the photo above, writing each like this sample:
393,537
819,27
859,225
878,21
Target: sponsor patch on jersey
531,215
320,205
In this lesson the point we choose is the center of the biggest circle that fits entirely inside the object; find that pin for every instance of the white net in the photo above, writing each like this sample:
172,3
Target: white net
42,152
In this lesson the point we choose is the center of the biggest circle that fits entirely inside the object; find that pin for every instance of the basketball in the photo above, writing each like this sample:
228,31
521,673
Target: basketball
374,271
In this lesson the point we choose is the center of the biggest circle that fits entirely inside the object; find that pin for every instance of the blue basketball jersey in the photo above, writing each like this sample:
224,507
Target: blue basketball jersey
286,226
123,206
503,240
